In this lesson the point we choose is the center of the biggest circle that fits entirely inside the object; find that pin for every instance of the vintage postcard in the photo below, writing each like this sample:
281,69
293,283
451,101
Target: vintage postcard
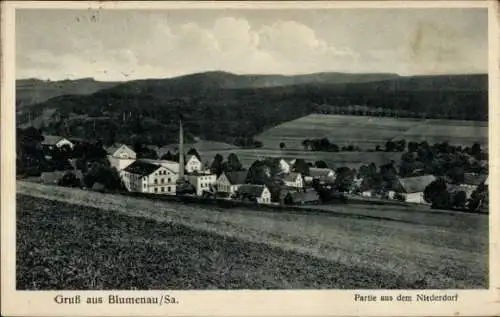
316,158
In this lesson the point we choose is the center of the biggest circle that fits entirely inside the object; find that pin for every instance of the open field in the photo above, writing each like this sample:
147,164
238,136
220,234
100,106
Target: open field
367,132
333,160
240,248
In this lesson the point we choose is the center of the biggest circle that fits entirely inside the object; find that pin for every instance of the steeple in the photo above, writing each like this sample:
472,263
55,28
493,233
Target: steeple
181,151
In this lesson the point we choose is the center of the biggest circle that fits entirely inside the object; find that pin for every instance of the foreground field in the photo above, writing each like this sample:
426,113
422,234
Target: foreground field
165,245
367,132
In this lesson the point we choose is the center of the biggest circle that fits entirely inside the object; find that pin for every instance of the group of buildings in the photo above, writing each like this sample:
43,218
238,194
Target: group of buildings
163,177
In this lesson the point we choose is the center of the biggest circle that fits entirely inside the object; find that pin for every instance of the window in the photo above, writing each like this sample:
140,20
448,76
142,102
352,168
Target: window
169,180
156,189
168,188
162,180
156,181
162,189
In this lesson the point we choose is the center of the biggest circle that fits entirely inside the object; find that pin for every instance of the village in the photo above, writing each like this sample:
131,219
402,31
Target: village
270,181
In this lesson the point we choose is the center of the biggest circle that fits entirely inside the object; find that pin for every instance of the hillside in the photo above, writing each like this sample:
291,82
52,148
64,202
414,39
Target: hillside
32,91
212,110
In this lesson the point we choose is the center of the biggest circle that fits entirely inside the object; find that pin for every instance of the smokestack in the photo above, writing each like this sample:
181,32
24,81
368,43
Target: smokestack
181,151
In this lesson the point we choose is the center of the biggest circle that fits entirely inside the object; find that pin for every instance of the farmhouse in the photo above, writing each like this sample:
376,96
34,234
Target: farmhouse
146,177
120,156
472,181
202,182
324,175
412,188
294,180
193,164
229,182
51,142
255,193
292,197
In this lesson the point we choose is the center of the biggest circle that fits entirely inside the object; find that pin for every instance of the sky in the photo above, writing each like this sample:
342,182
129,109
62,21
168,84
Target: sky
118,45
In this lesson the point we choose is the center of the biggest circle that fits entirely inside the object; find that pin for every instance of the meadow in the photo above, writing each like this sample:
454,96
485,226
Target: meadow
74,239
368,132
332,159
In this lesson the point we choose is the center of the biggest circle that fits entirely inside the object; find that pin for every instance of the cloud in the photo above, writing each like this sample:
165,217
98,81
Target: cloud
129,45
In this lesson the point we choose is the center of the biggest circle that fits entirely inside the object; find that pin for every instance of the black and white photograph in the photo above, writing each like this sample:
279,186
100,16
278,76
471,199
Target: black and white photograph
245,148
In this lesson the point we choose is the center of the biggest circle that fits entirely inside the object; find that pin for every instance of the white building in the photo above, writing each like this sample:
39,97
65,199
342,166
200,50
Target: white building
229,182
412,188
120,156
146,177
257,193
51,142
322,174
202,182
193,164
294,180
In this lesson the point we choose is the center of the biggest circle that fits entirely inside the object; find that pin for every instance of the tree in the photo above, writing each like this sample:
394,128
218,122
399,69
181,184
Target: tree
282,145
301,166
257,144
306,143
320,164
69,180
344,179
478,198
459,200
412,146
390,146
233,163
216,167
167,156
436,193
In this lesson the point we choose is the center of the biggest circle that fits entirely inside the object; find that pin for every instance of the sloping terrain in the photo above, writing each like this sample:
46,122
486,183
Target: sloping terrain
240,248
367,132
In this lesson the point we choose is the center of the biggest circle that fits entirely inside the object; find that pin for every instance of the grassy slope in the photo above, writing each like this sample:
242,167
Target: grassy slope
368,132
440,250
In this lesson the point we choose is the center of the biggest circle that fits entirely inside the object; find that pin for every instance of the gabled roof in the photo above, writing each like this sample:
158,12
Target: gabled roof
291,177
474,179
190,156
142,168
115,147
237,178
416,184
319,172
51,139
170,165
252,190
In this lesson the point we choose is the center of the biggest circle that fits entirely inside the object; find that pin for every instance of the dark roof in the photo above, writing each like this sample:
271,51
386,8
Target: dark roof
308,196
142,168
252,190
237,178
113,148
416,184
291,177
474,179
319,172
51,139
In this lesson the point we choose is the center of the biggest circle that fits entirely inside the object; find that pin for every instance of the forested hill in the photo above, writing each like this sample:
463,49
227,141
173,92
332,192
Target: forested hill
32,91
214,108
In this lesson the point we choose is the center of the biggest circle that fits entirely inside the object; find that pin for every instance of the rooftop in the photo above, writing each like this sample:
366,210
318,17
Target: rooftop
416,184
142,168
252,190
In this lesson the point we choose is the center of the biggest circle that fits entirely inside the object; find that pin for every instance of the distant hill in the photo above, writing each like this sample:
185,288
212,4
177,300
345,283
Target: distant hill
215,107
32,91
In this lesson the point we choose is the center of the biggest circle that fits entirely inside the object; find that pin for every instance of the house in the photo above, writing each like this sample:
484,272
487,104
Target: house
324,175
294,180
120,156
292,197
229,182
412,188
171,165
193,164
279,165
255,193
202,182
51,142
144,177
473,180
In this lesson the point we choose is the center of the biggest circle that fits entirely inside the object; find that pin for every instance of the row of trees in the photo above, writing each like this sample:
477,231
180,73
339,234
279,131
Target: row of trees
440,197
325,145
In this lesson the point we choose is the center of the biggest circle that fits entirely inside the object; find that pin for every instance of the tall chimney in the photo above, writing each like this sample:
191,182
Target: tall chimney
181,151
